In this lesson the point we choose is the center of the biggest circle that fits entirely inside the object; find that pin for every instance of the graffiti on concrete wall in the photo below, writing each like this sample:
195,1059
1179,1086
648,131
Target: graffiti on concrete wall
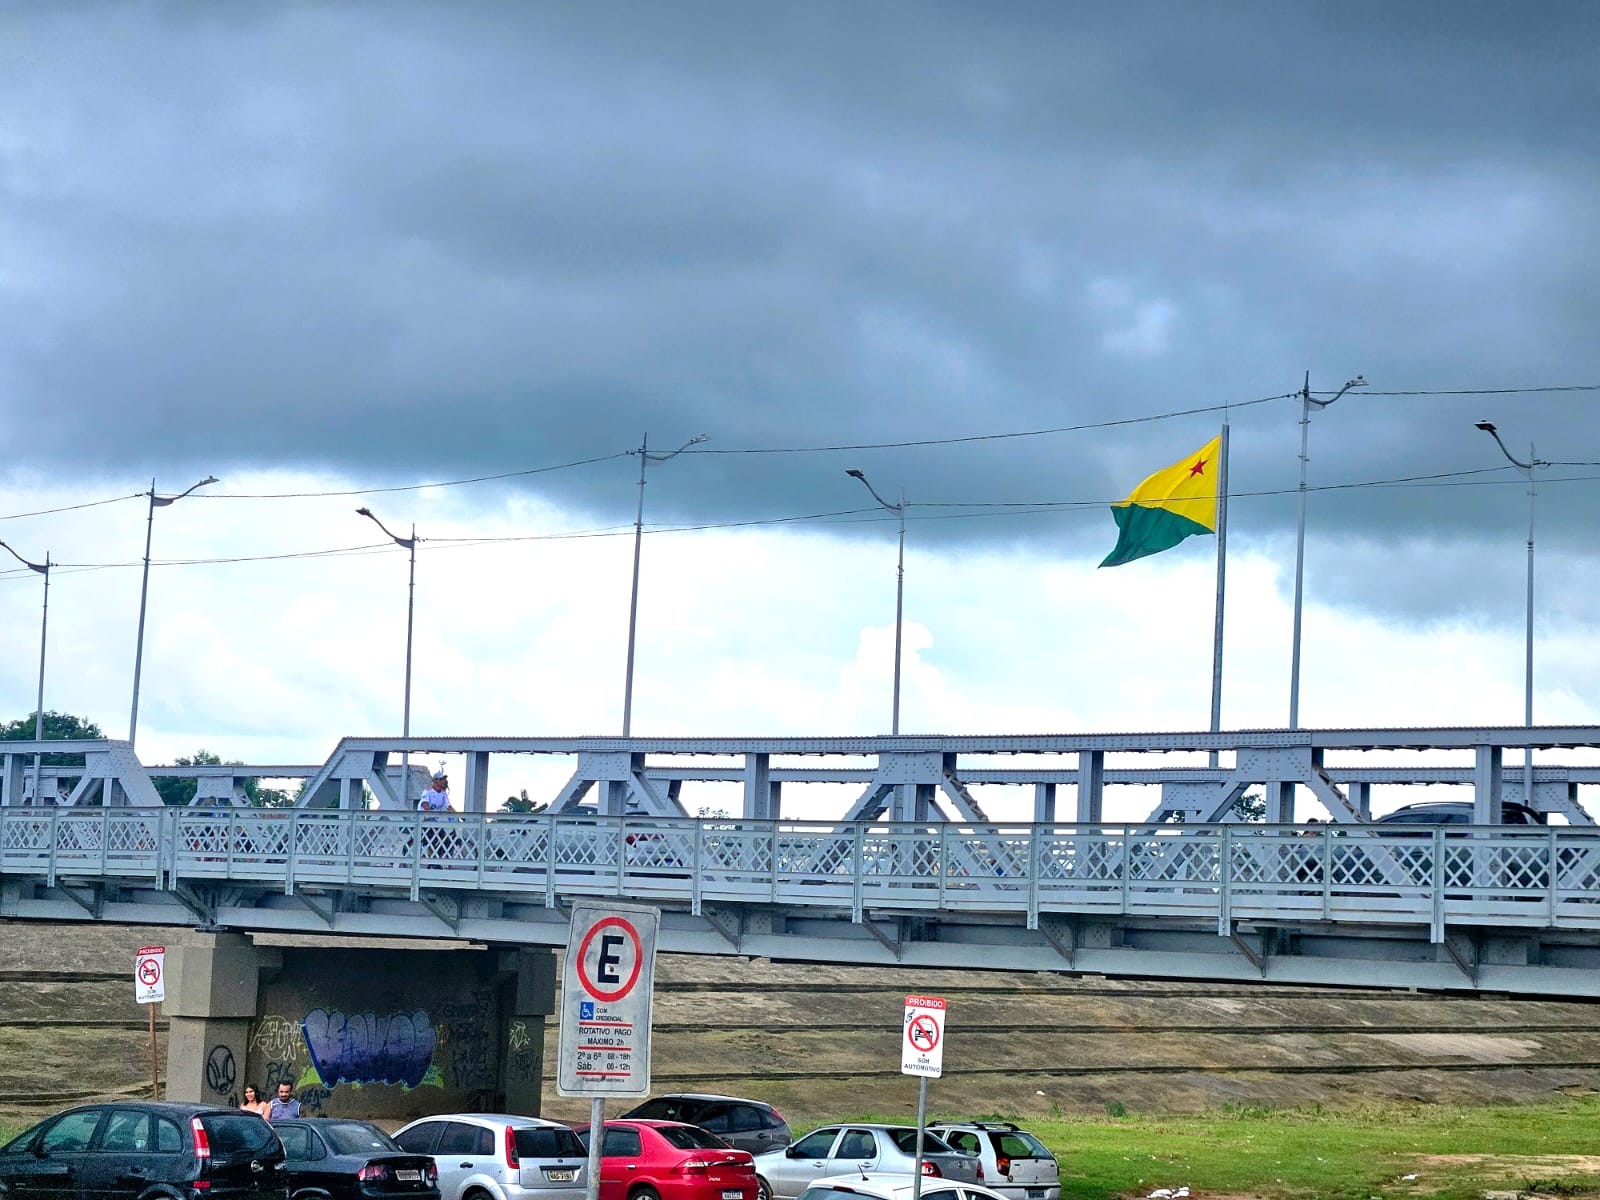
466,1029
220,1070
520,1063
367,1048
276,1037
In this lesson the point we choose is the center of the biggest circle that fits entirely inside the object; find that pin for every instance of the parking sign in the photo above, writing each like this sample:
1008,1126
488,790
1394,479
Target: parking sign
150,974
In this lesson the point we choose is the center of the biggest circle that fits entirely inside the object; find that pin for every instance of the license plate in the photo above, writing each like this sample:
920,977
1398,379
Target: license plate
732,1194
561,1176
408,1176
1035,1194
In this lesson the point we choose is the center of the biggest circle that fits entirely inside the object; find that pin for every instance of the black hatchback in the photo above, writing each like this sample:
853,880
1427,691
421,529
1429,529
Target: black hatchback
352,1160
129,1150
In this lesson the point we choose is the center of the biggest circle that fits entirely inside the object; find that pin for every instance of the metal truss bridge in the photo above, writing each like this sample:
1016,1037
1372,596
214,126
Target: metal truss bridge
914,873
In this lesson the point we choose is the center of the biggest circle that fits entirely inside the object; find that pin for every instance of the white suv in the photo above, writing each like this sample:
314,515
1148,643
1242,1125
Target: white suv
494,1156
1015,1163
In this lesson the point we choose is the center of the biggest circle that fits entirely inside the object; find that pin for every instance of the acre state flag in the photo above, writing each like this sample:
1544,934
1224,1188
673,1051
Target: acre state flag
1172,504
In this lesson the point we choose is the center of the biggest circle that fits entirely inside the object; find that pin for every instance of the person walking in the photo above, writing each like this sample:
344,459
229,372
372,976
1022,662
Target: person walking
437,797
253,1102
284,1105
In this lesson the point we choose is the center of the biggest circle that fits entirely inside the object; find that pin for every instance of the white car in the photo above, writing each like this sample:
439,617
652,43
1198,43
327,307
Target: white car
1015,1163
857,1150
880,1186
496,1156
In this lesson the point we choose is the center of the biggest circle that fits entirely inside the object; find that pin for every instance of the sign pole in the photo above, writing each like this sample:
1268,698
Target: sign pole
597,1134
607,984
922,1055
155,1079
922,1120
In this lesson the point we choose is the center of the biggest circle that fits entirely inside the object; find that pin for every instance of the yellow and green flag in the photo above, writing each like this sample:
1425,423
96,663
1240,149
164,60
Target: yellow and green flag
1170,505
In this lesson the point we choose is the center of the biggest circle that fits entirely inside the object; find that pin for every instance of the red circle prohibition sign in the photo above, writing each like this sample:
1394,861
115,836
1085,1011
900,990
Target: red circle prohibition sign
923,1029
589,985
149,972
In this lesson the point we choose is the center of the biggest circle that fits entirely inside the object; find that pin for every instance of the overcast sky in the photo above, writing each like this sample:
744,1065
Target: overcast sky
312,248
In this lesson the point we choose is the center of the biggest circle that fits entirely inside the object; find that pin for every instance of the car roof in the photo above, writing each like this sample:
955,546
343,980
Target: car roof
710,1096
891,1186
171,1108
512,1119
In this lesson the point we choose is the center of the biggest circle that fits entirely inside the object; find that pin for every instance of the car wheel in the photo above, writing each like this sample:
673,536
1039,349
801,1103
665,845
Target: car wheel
763,1189
644,1192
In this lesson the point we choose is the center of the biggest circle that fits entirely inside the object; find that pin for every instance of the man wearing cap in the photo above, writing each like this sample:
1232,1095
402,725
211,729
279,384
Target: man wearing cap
437,797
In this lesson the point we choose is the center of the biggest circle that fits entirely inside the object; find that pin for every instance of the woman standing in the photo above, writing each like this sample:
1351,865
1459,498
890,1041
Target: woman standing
253,1101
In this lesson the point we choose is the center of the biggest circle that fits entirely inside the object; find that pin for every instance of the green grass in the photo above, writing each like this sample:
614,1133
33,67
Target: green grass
1333,1154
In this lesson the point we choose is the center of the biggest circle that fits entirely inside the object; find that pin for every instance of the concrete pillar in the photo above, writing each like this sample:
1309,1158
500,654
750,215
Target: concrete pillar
532,1000
211,998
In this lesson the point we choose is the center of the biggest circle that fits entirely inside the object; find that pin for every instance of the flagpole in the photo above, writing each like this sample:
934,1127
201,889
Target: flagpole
1222,579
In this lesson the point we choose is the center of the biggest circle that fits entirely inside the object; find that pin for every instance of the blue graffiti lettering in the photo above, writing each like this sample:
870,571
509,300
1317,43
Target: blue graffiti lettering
366,1048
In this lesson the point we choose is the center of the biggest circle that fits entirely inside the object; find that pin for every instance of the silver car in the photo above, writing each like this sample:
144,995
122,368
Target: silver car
500,1156
855,1149
1015,1163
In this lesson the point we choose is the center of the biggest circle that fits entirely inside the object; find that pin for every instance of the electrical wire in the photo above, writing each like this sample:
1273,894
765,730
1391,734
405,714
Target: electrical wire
46,512
408,487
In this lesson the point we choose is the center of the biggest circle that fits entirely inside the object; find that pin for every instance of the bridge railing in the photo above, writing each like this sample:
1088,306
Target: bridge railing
1486,875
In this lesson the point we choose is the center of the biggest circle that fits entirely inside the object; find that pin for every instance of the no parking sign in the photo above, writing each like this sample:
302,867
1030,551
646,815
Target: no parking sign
150,974
606,988
922,1049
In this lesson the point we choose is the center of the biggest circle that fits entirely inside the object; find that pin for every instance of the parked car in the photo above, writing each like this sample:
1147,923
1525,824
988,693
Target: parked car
856,1149
667,1160
1457,812
352,1160
129,1150
744,1124
495,1156
895,1187
1015,1163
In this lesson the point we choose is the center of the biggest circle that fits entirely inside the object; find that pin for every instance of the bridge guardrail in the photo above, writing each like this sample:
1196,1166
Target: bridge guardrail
1486,875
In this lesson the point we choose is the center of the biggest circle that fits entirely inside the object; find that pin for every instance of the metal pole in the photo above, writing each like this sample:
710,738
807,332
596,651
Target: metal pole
633,597
155,1075
899,610
38,708
405,721
1222,576
1299,558
1527,698
597,1133
922,1120
144,593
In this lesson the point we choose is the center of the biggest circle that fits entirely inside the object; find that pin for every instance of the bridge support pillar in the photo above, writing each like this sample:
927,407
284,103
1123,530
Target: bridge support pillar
212,982
532,1001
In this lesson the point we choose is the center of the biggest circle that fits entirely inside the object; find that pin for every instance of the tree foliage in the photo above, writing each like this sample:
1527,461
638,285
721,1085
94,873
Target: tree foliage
521,804
57,727
179,791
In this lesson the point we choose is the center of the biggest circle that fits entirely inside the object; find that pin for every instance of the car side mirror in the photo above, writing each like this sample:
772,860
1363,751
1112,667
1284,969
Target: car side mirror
39,1151
791,1152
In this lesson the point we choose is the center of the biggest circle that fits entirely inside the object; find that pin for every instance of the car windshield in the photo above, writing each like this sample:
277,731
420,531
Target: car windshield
1018,1144
356,1137
689,1137
548,1143
905,1141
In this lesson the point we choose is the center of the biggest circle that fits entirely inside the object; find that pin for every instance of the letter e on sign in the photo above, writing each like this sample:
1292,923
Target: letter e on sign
922,1046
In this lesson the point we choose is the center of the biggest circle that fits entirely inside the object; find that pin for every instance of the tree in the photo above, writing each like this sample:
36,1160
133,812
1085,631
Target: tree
57,727
521,804
179,792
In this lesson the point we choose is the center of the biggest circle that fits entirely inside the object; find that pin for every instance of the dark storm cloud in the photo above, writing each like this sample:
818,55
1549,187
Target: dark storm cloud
414,241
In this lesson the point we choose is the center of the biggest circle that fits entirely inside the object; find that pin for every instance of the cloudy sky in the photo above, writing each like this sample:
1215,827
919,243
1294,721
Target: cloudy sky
1009,258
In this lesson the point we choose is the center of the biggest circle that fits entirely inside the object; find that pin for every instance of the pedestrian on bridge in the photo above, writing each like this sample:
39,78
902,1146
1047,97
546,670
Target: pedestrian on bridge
437,797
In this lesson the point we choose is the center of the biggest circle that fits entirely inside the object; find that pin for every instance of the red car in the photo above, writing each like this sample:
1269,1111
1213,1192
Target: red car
667,1160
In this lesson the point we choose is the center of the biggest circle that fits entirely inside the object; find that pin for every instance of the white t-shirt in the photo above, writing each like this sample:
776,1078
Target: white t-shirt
435,799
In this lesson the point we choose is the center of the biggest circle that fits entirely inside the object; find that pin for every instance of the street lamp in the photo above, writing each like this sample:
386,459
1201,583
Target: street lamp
645,459
410,544
899,510
1527,686
1308,402
44,624
144,592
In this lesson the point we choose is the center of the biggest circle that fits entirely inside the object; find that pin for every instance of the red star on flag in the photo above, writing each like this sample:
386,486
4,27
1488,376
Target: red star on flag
1199,468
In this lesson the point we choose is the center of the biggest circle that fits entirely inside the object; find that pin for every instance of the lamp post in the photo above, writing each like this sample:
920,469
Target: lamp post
409,544
899,510
144,593
44,625
1308,402
645,459
1527,679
